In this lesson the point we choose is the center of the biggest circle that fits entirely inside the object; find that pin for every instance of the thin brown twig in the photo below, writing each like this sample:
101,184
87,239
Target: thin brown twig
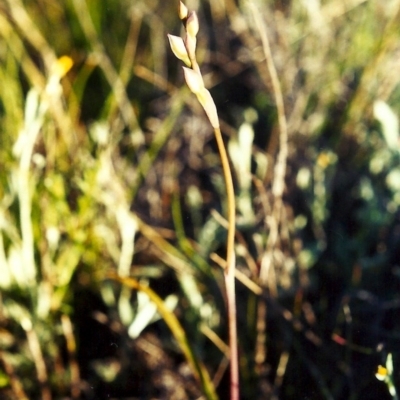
31,33
280,166
239,275
37,355
278,185
71,347
15,382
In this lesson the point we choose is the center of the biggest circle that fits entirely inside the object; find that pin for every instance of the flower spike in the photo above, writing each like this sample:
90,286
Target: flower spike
185,50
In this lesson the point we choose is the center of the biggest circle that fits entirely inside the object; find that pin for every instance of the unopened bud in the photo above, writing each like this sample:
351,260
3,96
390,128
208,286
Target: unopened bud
206,100
179,49
192,24
193,80
190,43
183,11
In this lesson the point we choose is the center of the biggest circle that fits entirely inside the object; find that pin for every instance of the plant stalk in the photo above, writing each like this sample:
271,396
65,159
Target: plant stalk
229,272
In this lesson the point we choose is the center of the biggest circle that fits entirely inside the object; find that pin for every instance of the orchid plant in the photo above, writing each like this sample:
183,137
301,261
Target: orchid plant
185,50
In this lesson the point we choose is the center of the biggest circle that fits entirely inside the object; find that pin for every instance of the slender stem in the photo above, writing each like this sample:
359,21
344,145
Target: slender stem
205,99
230,267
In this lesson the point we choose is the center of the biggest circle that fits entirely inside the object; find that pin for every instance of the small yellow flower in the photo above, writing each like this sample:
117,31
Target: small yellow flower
323,160
62,66
381,373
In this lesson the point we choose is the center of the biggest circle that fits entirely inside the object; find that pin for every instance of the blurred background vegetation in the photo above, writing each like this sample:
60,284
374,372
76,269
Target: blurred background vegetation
109,165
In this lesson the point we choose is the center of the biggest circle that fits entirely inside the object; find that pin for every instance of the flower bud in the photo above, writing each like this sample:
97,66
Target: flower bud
190,44
206,100
192,24
193,80
183,11
179,49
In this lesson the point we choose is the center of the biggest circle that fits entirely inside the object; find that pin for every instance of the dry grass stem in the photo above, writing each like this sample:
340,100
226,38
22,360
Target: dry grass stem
278,184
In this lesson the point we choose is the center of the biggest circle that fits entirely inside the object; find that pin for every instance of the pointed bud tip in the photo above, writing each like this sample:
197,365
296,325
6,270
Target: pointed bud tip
192,24
179,49
183,11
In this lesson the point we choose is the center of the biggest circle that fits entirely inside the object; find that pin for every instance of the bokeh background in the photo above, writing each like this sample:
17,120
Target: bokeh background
108,166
